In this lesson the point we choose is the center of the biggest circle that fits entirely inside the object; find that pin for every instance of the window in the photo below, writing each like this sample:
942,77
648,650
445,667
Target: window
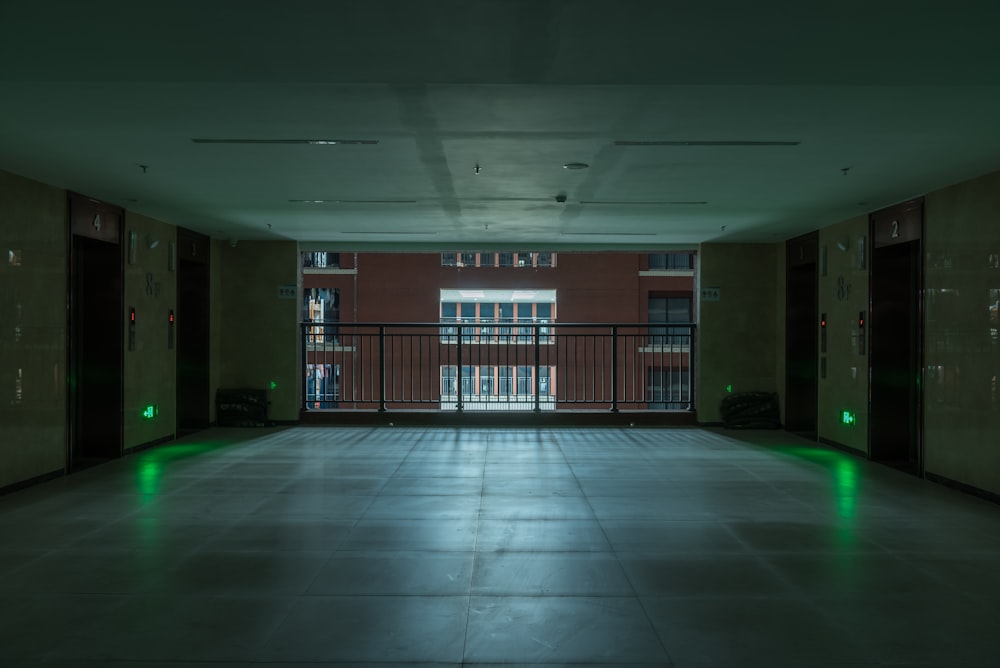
665,310
506,376
449,377
486,381
543,315
449,314
544,388
468,381
501,259
468,310
506,318
320,260
323,385
524,384
671,261
667,389
487,317
321,305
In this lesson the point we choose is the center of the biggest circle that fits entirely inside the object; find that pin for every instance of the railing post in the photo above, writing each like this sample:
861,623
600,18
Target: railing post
691,368
538,351
614,368
381,368
458,369
305,366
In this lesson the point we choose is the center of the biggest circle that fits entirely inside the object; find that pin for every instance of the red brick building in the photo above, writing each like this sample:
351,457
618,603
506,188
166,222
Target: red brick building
518,316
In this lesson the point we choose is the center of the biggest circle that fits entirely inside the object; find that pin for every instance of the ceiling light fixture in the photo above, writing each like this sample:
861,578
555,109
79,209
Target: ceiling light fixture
700,142
353,201
310,142
576,165
652,203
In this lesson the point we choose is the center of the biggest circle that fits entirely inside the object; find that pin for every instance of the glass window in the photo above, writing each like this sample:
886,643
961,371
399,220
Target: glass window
544,387
448,379
449,314
467,259
322,259
524,384
675,261
506,318
486,381
468,381
322,385
449,259
506,259
468,318
505,376
546,260
665,310
487,316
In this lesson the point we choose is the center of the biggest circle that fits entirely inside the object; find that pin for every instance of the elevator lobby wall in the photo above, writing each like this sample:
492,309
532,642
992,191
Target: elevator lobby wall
33,260
961,342
843,295
258,297
150,370
738,325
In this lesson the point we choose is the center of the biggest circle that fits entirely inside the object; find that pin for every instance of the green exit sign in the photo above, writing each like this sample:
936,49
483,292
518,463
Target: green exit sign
150,411
848,418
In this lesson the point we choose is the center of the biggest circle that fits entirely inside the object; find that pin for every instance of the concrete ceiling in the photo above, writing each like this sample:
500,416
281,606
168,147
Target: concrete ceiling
867,104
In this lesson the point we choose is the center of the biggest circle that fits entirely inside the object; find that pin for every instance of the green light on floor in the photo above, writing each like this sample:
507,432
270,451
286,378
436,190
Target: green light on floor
273,385
848,418
150,411
729,388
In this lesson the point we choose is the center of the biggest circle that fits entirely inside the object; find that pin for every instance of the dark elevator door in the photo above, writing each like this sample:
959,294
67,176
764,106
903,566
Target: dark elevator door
895,356
801,336
96,377
193,352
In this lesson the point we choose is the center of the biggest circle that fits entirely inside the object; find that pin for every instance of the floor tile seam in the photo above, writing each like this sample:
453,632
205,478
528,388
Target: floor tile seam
635,594
386,480
802,596
475,546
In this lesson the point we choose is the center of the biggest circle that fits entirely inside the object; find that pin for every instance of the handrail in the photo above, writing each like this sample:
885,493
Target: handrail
463,366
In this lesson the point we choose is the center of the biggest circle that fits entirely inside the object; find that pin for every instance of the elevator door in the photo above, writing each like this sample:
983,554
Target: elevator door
193,333
895,356
96,352
801,332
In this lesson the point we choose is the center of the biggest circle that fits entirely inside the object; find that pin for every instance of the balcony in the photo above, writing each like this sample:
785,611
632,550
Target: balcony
501,368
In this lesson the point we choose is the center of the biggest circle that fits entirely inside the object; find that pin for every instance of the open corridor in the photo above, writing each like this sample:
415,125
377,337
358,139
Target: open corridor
388,546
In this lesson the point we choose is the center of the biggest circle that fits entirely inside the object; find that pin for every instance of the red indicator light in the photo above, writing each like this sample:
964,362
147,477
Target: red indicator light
822,323
861,322
171,316
132,315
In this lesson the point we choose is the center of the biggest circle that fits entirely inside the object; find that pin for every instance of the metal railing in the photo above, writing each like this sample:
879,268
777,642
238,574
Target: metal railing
497,366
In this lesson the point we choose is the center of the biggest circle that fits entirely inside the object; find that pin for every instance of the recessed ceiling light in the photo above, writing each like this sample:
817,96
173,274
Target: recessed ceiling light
576,165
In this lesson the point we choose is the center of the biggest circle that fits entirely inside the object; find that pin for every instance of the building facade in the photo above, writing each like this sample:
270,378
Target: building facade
498,330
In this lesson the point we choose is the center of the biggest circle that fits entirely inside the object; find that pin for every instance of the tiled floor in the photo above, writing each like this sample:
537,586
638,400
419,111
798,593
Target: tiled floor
333,546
